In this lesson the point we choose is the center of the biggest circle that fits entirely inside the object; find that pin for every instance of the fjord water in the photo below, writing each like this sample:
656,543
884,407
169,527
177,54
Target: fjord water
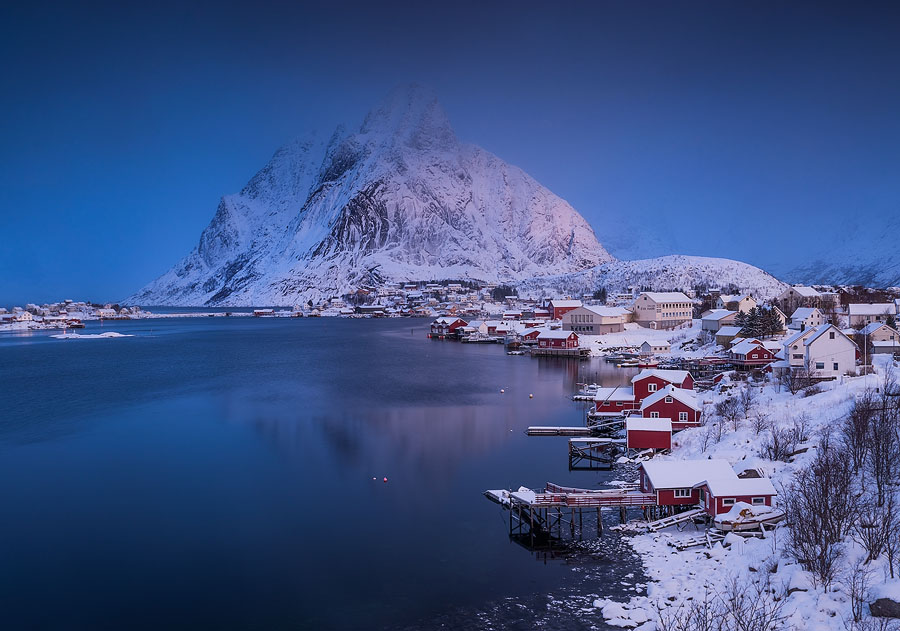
228,473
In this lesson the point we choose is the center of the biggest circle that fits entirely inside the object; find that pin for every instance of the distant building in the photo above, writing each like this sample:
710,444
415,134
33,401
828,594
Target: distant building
743,302
595,320
662,310
863,314
558,308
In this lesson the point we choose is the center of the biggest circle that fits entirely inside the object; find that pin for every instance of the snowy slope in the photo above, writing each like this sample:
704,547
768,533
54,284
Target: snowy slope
664,273
400,198
864,253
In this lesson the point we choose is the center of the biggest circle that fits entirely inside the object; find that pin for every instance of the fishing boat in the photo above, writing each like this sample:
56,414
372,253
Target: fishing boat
648,363
631,363
745,517
515,352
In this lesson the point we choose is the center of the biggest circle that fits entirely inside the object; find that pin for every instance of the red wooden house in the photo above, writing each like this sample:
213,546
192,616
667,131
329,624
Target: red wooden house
677,404
719,494
531,337
614,401
558,308
751,353
653,380
445,326
673,481
557,338
645,433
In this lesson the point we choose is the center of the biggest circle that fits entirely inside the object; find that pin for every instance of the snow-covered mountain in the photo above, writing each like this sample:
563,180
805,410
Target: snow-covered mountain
661,274
864,252
399,198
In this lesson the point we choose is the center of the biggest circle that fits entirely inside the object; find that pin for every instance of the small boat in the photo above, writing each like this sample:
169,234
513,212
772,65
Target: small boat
631,363
746,517
515,352
649,363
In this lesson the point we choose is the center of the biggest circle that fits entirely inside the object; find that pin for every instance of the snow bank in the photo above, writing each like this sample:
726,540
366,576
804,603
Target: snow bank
100,336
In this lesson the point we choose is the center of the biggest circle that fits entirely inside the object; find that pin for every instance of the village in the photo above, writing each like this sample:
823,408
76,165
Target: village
735,426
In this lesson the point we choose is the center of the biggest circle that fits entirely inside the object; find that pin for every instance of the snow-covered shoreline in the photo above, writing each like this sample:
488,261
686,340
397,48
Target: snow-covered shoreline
679,578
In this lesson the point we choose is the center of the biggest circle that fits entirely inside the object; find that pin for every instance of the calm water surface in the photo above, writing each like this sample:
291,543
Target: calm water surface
227,473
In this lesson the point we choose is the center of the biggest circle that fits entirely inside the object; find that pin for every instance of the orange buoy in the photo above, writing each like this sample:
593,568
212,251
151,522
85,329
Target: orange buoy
385,479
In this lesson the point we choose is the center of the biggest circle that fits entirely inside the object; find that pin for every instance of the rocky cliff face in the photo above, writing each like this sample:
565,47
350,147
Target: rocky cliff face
400,198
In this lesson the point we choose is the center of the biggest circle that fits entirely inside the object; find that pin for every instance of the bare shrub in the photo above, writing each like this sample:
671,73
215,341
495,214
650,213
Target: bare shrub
780,444
760,422
820,508
857,582
741,605
729,410
855,428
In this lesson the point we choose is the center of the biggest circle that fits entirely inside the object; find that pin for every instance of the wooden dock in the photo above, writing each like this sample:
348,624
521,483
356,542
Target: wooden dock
593,454
539,517
548,430
573,353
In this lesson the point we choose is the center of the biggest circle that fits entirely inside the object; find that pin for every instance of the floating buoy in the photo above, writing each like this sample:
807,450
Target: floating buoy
385,480
530,396
502,391
374,478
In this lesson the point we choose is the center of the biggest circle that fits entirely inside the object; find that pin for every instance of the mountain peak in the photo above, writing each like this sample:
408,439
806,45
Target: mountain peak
411,114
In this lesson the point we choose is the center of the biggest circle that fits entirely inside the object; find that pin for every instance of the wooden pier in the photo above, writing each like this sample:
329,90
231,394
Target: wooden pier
540,517
593,454
542,430
574,353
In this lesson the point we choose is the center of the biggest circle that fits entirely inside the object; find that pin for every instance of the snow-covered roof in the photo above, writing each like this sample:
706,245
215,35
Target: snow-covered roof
680,474
799,335
729,330
556,334
566,303
737,298
821,329
445,320
672,376
614,394
878,308
717,314
723,485
606,312
803,313
872,327
745,346
666,296
639,423
806,292
657,343
679,394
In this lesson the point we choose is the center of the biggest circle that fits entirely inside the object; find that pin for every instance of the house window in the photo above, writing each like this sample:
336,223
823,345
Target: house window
728,501
759,501
619,403
668,399
831,335
606,403
651,387
682,416
835,366
683,492
654,414
820,365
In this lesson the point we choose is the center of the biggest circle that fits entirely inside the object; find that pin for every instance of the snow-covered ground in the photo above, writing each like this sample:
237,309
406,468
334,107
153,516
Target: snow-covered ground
677,577
99,336
634,335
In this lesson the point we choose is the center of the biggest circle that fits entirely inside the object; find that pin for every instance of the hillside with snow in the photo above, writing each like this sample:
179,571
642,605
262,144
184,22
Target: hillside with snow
660,274
398,199
864,252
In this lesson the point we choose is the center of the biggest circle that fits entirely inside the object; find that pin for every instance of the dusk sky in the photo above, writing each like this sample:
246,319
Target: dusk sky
736,126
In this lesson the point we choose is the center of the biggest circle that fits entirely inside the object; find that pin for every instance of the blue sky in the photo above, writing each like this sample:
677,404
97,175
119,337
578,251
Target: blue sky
122,126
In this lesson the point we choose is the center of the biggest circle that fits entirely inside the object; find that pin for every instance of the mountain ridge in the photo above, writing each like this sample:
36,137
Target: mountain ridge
399,198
